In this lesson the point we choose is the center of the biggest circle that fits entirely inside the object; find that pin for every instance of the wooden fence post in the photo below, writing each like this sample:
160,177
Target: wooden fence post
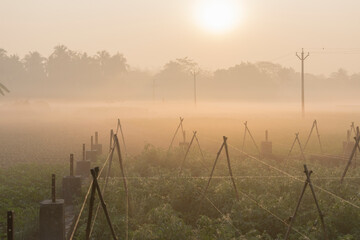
10,225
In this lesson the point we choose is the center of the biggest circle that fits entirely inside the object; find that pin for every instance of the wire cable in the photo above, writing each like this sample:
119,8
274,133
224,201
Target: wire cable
295,178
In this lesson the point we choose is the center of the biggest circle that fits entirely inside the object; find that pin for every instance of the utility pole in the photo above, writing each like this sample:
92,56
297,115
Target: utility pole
194,73
302,58
153,90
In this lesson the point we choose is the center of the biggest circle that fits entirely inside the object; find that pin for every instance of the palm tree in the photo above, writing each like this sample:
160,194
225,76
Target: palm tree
3,59
34,65
2,89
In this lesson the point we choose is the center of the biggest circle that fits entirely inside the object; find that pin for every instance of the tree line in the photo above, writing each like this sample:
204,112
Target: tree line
69,73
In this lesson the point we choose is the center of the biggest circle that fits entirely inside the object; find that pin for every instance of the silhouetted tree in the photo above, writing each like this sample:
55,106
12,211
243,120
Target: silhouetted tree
112,66
59,64
174,80
11,70
34,65
340,75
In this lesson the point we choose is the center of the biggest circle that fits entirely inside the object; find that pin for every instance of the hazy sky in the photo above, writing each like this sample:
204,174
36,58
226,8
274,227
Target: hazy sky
151,32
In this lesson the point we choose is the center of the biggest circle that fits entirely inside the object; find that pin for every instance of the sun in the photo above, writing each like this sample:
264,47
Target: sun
217,16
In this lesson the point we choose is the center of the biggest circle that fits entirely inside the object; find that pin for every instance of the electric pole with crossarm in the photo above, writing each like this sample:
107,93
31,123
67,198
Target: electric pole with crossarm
194,73
302,58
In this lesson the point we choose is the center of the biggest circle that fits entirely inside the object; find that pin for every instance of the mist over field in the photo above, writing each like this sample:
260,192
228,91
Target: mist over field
179,120
72,75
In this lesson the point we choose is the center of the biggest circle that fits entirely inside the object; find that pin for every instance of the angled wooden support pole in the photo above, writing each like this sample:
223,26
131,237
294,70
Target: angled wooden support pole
301,149
182,131
187,151
229,166
293,144
352,128
104,187
314,126
127,206
91,203
122,137
292,218
103,204
318,135
177,129
253,140
356,146
111,139
213,168
321,216
308,138
118,126
247,130
307,182
244,138
223,145
201,152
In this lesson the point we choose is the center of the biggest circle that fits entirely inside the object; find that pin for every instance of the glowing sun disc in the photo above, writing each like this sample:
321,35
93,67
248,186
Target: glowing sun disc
217,15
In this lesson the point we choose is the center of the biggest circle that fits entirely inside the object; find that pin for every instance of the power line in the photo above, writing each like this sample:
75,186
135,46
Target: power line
217,209
271,213
227,218
290,176
295,178
225,177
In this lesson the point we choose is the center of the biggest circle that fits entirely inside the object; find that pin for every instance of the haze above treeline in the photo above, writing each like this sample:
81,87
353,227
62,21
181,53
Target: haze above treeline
69,74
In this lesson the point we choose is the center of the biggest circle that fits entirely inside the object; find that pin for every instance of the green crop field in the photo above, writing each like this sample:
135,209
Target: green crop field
167,204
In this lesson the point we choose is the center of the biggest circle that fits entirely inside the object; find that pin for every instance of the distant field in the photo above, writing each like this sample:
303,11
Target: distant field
28,133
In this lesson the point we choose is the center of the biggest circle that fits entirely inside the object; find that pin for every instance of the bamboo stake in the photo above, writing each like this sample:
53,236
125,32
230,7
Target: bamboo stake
201,152
213,168
307,140
314,126
301,149
318,135
103,204
187,151
116,141
244,138
223,145
307,182
177,129
357,139
316,202
104,188
111,138
229,166
252,138
122,137
296,210
91,205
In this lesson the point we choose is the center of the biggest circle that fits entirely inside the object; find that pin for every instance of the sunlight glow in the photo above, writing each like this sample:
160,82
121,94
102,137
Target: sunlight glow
217,15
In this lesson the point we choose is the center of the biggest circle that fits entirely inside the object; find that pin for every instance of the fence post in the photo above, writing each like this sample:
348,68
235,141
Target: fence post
10,225
71,185
52,217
